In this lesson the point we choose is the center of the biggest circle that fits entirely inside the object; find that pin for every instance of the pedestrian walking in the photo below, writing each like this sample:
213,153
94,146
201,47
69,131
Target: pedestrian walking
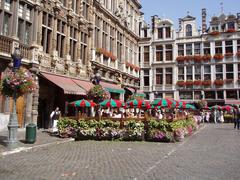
55,115
238,118
215,116
235,119
221,116
207,116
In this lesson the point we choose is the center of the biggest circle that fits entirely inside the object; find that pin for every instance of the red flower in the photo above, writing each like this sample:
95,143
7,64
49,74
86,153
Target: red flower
197,58
218,82
197,83
229,54
231,31
238,54
189,83
180,83
180,58
218,56
206,82
228,81
214,33
206,57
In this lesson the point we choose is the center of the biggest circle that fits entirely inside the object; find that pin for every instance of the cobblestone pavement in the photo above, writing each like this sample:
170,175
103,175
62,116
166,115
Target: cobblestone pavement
212,153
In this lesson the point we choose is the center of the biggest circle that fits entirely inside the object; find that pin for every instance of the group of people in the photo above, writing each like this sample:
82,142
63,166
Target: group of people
215,115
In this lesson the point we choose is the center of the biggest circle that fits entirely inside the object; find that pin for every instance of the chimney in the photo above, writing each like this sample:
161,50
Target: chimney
204,24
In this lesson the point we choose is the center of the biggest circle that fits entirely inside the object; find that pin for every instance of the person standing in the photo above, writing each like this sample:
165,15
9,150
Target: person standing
55,115
207,116
235,119
215,116
221,116
238,119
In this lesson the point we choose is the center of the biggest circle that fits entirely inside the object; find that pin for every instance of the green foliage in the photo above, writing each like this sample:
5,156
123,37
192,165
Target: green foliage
98,94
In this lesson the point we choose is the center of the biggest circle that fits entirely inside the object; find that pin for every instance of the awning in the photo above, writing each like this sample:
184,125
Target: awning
65,83
140,93
130,89
113,88
232,102
86,85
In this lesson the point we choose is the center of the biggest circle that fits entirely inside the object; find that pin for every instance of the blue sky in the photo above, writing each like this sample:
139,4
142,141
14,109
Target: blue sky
174,9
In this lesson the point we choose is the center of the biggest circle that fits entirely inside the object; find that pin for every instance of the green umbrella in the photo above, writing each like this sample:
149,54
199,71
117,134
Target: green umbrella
82,103
112,103
138,103
162,102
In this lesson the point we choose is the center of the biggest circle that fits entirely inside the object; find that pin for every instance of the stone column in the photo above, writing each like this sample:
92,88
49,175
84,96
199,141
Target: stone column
14,22
28,109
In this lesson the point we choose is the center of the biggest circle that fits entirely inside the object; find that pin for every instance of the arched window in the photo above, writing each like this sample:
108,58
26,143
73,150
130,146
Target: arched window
188,30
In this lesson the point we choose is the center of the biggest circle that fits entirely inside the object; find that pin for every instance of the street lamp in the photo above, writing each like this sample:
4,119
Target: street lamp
96,78
13,122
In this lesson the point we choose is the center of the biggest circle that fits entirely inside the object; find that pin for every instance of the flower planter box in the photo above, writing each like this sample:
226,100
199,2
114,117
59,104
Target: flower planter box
228,81
197,58
231,31
229,55
218,82
214,33
197,83
218,57
189,83
180,83
206,83
206,57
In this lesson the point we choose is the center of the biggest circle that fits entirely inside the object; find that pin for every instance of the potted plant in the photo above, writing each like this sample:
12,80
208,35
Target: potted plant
214,33
189,83
206,57
180,58
180,83
206,82
197,82
231,30
197,58
218,82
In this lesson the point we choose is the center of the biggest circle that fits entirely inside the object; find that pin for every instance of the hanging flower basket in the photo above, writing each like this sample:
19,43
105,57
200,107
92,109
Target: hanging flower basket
218,57
231,31
218,82
97,94
214,33
206,57
206,83
20,82
180,83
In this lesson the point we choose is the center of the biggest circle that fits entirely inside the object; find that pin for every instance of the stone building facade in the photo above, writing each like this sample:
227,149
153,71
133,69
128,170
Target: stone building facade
191,64
63,43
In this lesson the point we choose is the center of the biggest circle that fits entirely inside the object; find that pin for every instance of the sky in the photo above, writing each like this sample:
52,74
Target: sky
174,9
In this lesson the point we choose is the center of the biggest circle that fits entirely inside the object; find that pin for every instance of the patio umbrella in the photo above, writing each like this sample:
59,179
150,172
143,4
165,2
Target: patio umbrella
189,106
138,103
82,103
112,103
227,108
162,102
180,104
216,107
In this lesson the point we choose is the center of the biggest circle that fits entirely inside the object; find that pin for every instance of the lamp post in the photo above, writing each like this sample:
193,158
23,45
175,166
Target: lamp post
13,122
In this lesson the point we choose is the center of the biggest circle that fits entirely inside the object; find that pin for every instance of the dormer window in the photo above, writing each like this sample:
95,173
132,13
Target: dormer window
215,28
188,30
231,25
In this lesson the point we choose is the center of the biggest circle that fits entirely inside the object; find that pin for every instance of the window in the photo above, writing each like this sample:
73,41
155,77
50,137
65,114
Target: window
238,71
83,50
189,73
168,32
220,95
119,45
185,95
104,35
6,14
231,94
188,49
219,71
97,32
159,76
197,95
169,76
24,23
46,32
215,28
146,77
6,24
7,5
180,73
238,45
146,54
229,71
73,43
60,38
218,47
231,25
159,53
188,30
169,52
75,6
160,33
85,8
197,72
180,49
206,48
207,72
197,50
229,46
145,34
210,95
112,39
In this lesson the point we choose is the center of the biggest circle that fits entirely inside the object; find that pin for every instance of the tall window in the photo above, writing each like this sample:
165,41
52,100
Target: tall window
7,15
159,76
207,72
112,39
85,8
238,45
231,25
168,32
229,71
219,71
105,35
159,53
188,30
73,43
197,48
146,54
97,32
75,6
119,45
160,33
197,72
189,73
180,73
145,34
206,48
24,23
61,26
180,49
218,47
188,49
169,52
146,77
83,51
229,46
47,24
169,76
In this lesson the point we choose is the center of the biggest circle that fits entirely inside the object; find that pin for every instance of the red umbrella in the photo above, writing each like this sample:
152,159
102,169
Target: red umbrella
227,108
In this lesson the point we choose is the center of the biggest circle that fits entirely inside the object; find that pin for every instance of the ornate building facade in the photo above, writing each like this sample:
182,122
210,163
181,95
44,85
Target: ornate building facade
192,64
63,43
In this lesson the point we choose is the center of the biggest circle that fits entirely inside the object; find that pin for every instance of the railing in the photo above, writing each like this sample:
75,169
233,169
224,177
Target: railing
25,51
5,44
